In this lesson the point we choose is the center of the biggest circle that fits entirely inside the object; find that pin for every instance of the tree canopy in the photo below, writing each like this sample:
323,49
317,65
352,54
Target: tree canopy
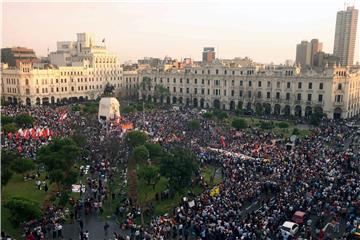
136,138
24,119
193,125
23,209
150,174
178,167
239,123
140,153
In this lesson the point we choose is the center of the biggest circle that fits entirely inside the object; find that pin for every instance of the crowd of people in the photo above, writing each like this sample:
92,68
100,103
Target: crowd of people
265,178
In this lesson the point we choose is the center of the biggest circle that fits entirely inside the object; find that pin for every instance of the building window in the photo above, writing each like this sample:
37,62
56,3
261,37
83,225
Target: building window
195,90
208,91
195,81
249,94
180,80
277,95
259,95
202,91
180,90
339,86
241,83
278,84
224,92
299,97
309,97
288,85
250,83
202,81
37,90
241,93
187,90
174,81
27,91
321,86
299,85
268,84
310,85
187,81
320,98
268,95
232,93
27,81
259,84
217,71
174,89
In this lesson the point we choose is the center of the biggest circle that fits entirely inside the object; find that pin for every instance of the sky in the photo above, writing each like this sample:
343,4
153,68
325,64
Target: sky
264,30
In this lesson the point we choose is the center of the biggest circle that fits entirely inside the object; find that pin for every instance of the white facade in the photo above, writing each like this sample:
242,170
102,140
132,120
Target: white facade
72,74
334,91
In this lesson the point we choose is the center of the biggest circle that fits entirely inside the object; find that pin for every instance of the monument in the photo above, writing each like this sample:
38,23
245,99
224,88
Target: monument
109,109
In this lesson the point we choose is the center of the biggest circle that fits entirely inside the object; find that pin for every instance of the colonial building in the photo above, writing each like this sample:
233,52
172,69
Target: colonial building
77,70
283,90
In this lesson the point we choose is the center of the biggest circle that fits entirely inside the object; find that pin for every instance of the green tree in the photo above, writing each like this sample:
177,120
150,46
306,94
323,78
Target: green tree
154,149
6,119
58,158
24,119
128,109
259,109
10,127
207,115
220,115
22,165
161,91
136,138
140,153
239,123
23,209
193,125
6,159
316,117
266,125
178,167
283,125
295,131
150,174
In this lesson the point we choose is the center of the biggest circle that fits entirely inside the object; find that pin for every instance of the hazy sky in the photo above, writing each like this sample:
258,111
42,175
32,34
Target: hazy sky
265,30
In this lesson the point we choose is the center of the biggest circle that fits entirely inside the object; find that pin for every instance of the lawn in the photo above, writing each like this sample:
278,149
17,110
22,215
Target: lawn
208,172
17,187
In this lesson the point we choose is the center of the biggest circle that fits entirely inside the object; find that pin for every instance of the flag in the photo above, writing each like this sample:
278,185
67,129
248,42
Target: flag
222,141
17,136
20,148
27,134
63,116
21,132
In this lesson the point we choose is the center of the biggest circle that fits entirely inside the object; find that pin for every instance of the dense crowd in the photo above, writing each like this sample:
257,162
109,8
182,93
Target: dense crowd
265,178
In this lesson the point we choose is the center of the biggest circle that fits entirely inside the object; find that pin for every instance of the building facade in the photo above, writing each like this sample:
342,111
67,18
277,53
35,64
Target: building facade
303,53
77,70
286,90
345,35
208,54
13,56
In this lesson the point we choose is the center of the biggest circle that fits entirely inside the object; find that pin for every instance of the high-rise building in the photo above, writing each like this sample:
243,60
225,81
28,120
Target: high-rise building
303,53
208,54
316,47
13,56
345,35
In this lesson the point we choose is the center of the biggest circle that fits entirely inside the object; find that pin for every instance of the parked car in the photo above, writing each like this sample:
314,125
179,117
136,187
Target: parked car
289,228
298,217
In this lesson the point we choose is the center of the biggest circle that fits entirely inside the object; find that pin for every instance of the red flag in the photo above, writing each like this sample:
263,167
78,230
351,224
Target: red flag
27,134
33,133
17,136
47,132
63,116
10,135
20,148
222,141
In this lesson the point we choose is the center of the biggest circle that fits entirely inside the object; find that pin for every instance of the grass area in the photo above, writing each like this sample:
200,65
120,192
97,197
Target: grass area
254,122
207,172
17,187
146,192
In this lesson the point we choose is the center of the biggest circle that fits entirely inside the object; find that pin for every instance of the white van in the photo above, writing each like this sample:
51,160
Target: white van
289,228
